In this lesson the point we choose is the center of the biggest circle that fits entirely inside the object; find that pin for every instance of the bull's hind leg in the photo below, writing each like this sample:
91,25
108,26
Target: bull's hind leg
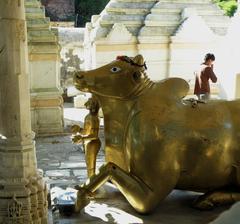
225,196
216,198
139,195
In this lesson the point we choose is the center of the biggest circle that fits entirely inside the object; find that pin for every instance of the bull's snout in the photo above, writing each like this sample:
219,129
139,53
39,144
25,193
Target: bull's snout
83,81
78,76
80,82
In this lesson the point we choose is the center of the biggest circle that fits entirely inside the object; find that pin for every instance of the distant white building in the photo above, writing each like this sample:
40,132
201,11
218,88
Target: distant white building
173,37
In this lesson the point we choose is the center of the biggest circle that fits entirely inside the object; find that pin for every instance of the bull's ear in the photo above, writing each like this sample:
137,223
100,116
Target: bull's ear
139,60
174,88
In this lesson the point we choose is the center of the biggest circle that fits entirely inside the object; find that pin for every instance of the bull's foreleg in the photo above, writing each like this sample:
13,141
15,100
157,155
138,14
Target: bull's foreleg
139,195
216,198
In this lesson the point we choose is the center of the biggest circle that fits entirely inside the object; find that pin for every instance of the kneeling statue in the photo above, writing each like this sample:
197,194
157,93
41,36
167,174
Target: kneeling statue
155,142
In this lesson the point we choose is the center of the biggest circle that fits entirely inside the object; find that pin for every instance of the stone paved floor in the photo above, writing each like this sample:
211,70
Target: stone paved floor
64,165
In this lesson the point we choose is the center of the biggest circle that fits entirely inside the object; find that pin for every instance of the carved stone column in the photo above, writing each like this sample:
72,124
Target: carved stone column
44,70
22,190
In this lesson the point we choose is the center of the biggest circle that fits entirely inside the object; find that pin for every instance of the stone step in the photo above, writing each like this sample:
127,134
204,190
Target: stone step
216,19
157,30
160,6
35,10
120,5
126,23
32,3
163,19
125,19
126,11
220,30
200,10
129,8
39,23
161,23
133,29
187,1
137,1
160,28
176,17
35,15
41,36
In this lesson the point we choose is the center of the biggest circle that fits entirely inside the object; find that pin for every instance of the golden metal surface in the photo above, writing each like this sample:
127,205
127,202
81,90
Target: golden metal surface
88,135
156,141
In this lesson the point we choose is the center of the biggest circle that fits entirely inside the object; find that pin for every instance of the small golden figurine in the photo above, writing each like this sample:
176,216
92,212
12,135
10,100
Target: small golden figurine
88,135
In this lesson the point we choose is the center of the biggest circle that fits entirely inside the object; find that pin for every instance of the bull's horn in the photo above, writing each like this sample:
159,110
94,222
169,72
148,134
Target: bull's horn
139,60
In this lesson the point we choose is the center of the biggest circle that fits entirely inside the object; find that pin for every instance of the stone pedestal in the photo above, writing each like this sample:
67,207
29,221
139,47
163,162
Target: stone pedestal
22,190
44,64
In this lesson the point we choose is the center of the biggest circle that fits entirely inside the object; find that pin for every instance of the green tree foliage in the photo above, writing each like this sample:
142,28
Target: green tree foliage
229,6
86,8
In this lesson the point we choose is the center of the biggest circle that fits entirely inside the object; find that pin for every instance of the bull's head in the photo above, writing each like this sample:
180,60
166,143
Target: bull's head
121,78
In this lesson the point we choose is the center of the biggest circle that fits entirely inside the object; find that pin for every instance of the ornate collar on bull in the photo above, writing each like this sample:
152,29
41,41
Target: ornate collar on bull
126,73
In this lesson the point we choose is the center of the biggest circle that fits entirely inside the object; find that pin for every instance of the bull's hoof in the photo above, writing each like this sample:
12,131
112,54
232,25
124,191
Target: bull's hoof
82,200
203,204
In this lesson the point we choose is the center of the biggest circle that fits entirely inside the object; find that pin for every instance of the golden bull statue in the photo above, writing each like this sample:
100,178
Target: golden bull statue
156,142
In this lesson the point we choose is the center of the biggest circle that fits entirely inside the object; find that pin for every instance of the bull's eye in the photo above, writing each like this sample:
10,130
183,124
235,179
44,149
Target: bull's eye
115,69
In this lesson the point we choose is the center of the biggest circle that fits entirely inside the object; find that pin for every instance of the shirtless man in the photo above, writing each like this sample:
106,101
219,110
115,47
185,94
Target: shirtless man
88,135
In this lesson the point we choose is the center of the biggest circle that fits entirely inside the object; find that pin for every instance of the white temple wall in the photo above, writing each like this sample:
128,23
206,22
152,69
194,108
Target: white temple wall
88,56
107,53
185,58
156,57
180,60
228,62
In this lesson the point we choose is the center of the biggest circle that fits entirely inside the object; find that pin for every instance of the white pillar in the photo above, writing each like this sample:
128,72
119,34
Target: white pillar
22,190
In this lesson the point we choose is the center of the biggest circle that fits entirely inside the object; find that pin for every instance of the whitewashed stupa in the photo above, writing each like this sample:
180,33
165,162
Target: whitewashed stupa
172,35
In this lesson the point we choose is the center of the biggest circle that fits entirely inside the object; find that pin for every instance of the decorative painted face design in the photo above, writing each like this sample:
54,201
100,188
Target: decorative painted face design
118,78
